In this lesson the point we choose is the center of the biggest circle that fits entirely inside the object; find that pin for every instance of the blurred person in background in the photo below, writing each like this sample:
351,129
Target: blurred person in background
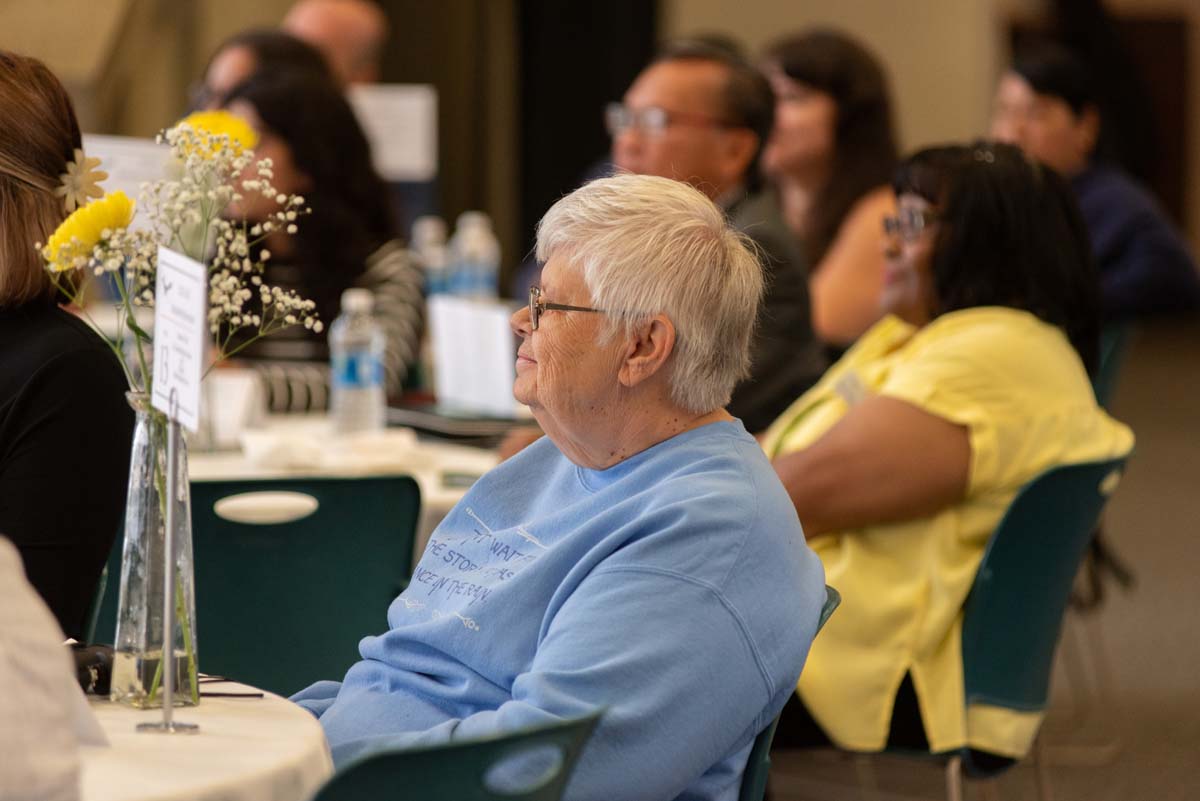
904,458
1046,104
262,50
349,240
65,426
830,157
351,34
702,115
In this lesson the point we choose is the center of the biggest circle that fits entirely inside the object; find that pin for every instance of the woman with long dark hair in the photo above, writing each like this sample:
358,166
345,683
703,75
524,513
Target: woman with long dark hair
348,240
830,156
903,459
65,427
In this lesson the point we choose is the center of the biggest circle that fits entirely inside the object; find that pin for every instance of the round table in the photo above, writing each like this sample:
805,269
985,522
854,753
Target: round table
257,749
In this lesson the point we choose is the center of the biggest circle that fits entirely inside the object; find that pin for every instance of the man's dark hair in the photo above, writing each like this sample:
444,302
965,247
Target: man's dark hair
1009,234
1053,70
748,100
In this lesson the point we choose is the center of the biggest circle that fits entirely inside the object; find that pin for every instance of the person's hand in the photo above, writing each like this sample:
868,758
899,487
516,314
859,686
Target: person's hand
517,440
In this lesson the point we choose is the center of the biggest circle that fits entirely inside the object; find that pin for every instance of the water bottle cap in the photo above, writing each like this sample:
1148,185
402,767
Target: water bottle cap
427,231
358,301
474,220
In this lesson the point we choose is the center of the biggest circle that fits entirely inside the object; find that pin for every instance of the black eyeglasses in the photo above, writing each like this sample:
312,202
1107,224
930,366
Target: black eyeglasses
537,306
908,223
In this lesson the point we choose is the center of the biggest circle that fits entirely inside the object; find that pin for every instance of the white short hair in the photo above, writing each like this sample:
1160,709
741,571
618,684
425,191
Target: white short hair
649,245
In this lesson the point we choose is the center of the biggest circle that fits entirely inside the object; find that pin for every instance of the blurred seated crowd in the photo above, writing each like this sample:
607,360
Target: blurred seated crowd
764,350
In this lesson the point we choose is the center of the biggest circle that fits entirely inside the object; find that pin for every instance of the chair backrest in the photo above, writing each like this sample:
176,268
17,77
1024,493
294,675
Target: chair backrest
1114,341
758,764
1014,611
282,604
529,765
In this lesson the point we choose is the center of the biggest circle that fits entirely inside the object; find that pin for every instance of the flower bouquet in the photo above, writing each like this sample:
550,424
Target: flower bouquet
193,211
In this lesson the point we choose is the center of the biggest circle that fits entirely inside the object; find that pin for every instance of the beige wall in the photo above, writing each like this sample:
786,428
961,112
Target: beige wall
943,55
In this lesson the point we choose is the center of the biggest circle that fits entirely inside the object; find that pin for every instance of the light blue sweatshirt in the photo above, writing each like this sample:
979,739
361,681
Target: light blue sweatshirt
675,589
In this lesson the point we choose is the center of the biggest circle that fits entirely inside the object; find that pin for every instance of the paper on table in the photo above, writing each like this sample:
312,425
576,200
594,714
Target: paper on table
400,121
180,302
474,355
129,162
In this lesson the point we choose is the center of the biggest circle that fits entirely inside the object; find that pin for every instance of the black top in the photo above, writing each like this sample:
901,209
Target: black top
786,357
65,435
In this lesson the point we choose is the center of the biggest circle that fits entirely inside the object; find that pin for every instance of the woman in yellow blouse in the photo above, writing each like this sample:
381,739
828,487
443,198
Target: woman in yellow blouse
902,460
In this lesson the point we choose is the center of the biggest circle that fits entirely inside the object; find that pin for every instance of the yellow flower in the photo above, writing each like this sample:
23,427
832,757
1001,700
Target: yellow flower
217,123
85,229
80,181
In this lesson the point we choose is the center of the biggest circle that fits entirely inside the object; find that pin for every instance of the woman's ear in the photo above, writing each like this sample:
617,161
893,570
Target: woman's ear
646,352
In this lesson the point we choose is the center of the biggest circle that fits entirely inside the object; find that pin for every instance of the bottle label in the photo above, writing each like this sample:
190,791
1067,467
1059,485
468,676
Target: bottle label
357,370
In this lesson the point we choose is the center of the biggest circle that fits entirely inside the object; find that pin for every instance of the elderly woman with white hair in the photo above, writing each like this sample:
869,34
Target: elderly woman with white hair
642,557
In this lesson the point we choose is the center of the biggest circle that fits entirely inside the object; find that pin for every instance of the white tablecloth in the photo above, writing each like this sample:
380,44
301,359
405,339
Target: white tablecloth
443,471
247,749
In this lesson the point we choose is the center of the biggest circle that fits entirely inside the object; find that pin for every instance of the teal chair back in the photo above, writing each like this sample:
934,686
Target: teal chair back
1014,611
102,617
283,604
470,770
758,764
1114,342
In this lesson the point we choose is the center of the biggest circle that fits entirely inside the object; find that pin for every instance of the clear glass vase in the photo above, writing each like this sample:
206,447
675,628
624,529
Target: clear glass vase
137,678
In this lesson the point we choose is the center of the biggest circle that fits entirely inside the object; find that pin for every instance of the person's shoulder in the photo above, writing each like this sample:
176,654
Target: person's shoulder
719,468
389,259
983,326
995,343
1114,190
44,333
758,216
872,207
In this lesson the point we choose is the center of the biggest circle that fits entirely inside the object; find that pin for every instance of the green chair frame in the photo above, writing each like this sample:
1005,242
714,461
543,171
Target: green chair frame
459,770
1014,612
282,605
1115,339
758,764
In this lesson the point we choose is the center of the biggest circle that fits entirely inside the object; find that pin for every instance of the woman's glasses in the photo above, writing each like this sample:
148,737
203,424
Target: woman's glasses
908,223
537,306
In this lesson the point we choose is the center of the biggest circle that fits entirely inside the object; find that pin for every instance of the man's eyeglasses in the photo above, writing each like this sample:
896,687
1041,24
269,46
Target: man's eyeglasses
652,120
537,306
908,223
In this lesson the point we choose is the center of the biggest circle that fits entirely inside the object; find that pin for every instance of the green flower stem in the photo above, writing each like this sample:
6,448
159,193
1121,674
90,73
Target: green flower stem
127,310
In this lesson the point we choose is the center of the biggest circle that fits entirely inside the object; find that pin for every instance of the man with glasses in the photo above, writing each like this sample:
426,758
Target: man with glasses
701,114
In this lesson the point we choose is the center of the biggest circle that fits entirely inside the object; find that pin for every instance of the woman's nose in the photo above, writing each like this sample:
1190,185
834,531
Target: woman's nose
520,323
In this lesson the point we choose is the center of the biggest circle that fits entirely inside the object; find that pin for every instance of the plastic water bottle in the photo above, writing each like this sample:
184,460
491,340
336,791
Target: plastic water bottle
356,344
474,257
429,243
